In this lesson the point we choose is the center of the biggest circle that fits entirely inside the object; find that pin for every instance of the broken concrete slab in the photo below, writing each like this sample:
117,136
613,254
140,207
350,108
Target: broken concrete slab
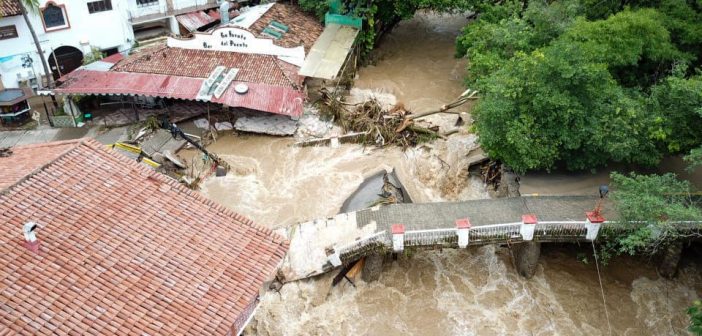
173,158
224,126
311,126
201,123
266,124
161,141
476,156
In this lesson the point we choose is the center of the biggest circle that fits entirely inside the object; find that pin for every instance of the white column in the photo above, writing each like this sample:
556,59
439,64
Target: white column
592,224
529,222
334,258
398,237
173,23
463,230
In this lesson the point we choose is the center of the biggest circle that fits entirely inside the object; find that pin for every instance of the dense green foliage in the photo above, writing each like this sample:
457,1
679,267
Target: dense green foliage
578,84
380,15
650,205
695,313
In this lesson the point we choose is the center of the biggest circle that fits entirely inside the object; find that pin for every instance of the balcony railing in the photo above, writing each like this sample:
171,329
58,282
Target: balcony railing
149,11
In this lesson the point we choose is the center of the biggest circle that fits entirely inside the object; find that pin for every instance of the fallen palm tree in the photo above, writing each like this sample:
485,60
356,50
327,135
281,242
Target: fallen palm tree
381,126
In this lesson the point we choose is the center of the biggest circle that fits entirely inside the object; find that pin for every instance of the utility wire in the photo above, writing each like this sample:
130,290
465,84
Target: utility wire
599,277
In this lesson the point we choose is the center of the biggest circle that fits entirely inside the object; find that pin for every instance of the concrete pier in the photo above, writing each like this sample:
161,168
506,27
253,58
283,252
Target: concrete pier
670,258
526,257
372,267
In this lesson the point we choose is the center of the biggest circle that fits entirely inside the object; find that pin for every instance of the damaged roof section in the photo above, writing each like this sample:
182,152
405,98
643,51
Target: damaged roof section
266,69
303,29
253,68
261,97
122,249
194,20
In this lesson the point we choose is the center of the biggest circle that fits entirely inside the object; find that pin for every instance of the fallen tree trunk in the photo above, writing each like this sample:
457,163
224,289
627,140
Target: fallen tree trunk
462,99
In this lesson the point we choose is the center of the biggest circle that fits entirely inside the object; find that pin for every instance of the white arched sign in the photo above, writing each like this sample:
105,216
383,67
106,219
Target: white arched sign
238,40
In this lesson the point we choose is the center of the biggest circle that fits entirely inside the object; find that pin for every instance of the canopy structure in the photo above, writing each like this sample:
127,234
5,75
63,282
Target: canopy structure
329,53
9,97
259,96
194,20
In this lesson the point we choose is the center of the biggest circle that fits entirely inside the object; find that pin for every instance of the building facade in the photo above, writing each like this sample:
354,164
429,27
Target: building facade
70,30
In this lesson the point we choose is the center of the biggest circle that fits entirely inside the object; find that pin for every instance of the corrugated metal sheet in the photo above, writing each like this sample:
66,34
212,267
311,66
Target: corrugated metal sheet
329,52
98,66
101,82
194,20
114,58
261,97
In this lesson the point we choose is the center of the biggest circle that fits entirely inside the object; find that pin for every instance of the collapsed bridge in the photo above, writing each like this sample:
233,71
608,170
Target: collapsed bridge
319,246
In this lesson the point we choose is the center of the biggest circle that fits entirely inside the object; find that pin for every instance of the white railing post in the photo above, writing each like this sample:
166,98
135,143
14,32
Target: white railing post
398,237
594,220
462,230
529,222
334,258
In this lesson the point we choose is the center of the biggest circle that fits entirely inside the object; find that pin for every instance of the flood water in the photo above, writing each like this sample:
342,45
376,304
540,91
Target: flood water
451,292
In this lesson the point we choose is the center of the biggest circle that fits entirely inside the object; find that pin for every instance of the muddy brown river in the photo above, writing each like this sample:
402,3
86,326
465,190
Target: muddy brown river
451,292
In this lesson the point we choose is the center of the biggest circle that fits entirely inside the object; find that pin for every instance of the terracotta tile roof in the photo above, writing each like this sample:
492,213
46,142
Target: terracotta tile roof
200,63
304,28
10,8
123,251
27,159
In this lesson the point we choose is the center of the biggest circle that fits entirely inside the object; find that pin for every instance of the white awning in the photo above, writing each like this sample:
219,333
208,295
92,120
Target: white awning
329,52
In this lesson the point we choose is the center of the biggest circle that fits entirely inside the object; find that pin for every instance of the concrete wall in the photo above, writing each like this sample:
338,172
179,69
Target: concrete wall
104,30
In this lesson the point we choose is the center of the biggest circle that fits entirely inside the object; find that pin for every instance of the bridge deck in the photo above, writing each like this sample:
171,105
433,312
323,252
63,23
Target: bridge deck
427,216
311,241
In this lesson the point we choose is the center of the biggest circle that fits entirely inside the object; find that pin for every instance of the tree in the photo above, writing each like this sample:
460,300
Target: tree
380,16
677,102
579,102
489,45
695,313
652,206
33,6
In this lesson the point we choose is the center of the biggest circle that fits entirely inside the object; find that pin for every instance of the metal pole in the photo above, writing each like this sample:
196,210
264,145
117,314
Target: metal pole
70,108
46,110
58,68
136,112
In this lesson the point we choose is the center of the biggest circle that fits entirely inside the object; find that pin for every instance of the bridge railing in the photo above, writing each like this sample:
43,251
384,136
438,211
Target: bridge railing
359,247
494,233
430,237
488,234
561,230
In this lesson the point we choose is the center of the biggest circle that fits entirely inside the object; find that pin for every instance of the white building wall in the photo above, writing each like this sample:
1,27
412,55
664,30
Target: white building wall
104,30
164,9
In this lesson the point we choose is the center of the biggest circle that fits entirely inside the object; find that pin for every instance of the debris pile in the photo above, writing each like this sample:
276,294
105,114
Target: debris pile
386,126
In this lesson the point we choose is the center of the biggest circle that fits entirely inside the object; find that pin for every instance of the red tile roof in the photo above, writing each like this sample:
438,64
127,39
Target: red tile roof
253,68
10,8
124,250
304,28
25,160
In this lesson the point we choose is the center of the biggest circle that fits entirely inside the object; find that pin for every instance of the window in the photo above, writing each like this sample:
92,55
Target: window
8,32
99,6
144,3
54,17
